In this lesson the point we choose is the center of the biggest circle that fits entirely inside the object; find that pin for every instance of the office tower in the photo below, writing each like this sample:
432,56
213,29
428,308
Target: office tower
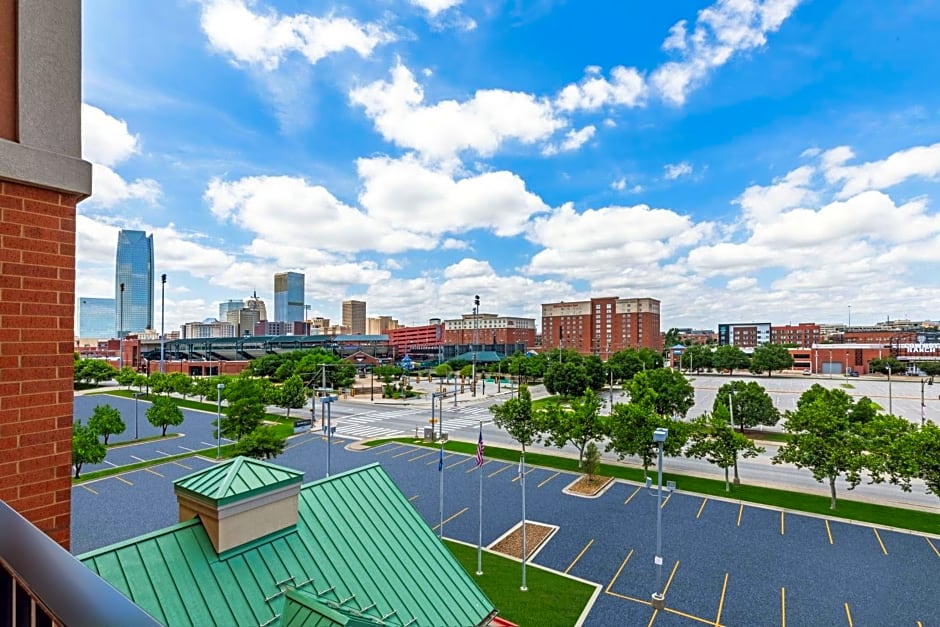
230,305
256,304
288,296
354,316
602,326
96,318
244,321
134,270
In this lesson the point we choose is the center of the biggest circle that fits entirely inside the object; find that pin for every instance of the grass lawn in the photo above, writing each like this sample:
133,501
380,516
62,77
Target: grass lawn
903,518
550,599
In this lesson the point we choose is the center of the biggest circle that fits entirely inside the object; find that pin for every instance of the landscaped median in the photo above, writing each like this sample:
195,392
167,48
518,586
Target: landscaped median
884,515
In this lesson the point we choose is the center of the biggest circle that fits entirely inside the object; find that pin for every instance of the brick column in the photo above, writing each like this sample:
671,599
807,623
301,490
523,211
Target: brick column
37,301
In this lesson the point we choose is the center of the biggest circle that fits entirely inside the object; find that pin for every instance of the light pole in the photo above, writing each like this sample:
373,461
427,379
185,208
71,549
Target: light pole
121,330
850,316
162,302
922,383
327,400
218,418
890,397
830,363
847,372
731,393
137,398
473,372
659,602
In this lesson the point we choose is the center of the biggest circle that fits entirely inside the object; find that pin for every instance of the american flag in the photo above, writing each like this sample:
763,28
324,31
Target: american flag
480,448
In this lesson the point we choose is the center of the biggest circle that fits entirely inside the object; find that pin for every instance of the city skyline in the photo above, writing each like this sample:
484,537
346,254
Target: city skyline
729,159
133,282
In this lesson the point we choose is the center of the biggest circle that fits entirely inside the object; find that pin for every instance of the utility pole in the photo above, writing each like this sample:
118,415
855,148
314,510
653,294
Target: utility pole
473,371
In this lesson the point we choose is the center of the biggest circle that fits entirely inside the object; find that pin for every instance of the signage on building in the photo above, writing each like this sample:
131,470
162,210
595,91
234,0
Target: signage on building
919,348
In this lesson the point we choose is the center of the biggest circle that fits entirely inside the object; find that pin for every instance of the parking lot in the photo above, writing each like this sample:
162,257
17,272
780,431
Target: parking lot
725,563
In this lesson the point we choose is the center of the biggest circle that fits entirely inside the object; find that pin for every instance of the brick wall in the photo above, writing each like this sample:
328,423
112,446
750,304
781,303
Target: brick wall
37,300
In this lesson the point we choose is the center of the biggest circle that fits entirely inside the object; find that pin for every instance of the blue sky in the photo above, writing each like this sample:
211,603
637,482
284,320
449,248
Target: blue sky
739,160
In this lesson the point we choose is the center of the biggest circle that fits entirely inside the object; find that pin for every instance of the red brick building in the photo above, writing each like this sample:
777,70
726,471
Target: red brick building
804,334
42,178
425,336
491,329
602,326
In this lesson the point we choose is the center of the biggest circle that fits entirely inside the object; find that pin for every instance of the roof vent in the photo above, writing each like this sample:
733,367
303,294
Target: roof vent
240,501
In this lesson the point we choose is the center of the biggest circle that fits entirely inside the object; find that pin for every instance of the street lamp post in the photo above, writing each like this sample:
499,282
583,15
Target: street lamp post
830,363
162,303
121,330
731,393
922,383
137,398
890,396
218,424
327,400
659,602
473,372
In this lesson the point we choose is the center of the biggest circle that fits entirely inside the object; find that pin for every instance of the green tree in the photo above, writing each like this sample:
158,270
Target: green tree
159,383
262,443
180,383
931,368
729,358
106,421
245,410
292,394
770,357
697,358
442,371
625,364
515,418
891,447
567,378
823,439
204,387
591,461
631,429
596,372
651,359
926,454
668,391
752,405
714,440
577,426
163,413
881,365
673,338
126,376
86,448
94,371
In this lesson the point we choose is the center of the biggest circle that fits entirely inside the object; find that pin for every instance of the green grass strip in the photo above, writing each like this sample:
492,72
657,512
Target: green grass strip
885,515
551,600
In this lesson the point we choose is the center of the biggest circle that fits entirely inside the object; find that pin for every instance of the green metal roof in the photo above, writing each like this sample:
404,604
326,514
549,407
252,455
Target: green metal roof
236,479
359,548
482,356
302,609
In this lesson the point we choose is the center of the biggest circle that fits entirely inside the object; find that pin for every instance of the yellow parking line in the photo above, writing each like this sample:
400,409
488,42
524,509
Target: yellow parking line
883,549
506,467
587,546
829,532
781,522
451,518
123,479
740,511
629,498
666,500
87,488
666,589
446,457
408,452
480,466
783,607
932,546
462,461
153,472
390,449
701,507
689,616
422,455
414,497
721,601
920,624
516,478
617,574
549,479
848,614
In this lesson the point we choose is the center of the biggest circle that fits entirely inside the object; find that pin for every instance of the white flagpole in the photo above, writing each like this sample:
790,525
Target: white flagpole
440,469
522,481
480,529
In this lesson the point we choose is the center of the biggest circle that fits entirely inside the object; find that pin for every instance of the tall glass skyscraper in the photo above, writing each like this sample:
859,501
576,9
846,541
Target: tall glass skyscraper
288,296
133,269
96,318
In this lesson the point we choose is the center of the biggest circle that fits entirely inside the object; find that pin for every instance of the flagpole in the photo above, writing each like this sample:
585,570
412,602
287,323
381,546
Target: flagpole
440,470
480,529
522,481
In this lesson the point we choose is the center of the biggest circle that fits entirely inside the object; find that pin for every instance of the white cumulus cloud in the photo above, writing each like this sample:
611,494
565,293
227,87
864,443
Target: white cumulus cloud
672,171
626,87
573,140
